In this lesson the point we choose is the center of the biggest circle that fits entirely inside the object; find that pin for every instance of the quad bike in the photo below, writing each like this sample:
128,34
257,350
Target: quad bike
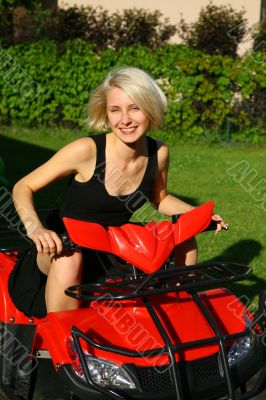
148,330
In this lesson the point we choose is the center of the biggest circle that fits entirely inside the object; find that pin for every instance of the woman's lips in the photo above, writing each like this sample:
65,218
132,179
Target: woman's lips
128,130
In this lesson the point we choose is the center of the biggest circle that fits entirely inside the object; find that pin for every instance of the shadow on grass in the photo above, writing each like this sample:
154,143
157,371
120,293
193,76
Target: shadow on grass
21,158
244,252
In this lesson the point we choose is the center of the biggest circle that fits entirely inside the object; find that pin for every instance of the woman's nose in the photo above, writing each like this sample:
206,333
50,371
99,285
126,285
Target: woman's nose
125,118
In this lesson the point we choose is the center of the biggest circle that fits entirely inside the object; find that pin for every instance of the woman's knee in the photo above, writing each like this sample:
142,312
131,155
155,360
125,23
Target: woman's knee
44,262
67,268
187,252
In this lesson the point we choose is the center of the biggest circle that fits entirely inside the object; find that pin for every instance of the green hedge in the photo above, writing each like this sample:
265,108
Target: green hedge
208,96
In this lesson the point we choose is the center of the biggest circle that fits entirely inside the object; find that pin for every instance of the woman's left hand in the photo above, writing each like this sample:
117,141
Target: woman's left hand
220,223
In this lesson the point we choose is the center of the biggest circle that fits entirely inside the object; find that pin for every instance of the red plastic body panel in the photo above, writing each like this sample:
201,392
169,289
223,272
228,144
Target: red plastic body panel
127,324
147,247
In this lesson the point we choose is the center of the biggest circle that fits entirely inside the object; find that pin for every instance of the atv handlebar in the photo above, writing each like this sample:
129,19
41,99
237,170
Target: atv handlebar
212,226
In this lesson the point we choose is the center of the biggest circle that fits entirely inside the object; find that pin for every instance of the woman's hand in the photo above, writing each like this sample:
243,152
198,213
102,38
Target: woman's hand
220,223
46,241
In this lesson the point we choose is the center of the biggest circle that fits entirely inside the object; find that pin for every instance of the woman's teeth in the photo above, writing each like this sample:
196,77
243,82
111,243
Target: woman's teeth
128,130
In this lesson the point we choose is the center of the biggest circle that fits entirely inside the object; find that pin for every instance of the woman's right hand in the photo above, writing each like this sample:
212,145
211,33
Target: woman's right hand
46,241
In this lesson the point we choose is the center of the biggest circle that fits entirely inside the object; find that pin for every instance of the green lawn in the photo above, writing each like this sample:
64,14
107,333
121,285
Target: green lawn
233,176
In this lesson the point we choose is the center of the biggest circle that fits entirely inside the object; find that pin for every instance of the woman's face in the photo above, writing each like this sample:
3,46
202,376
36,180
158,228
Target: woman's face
126,120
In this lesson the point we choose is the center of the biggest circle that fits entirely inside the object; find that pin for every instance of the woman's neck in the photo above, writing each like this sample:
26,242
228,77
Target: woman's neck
128,151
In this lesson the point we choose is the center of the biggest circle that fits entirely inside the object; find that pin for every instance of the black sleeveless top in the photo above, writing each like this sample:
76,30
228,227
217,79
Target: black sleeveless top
90,201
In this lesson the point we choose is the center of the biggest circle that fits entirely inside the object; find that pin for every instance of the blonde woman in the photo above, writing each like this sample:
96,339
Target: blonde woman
113,175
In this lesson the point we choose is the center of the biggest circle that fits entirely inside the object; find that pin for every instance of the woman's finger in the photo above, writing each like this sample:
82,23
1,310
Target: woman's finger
38,245
45,245
220,223
50,242
58,242
216,217
218,229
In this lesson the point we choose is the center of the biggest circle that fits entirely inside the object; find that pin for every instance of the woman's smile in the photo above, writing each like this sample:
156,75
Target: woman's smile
128,130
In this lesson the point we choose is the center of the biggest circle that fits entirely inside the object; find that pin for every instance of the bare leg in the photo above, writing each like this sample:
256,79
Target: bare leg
187,252
62,272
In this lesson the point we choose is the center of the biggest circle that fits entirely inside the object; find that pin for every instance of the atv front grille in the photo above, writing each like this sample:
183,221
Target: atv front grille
153,379
205,368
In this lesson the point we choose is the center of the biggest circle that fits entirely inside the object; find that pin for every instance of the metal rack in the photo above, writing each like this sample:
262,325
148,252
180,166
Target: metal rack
189,279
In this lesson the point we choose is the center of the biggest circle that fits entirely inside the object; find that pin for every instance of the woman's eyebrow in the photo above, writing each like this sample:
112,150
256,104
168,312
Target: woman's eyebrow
114,105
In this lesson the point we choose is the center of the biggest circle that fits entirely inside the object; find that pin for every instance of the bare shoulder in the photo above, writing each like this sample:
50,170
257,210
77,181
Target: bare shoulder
82,149
163,153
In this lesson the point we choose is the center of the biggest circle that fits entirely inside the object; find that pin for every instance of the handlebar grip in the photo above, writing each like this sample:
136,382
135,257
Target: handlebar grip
213,225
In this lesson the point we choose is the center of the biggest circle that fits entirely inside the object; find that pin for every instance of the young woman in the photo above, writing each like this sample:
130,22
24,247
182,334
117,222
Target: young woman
113,174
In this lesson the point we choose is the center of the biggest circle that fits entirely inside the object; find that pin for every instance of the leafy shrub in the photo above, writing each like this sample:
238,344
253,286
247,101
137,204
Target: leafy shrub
140,26
6,27
14,3
96,26
218,30
38,85
248,111
259,37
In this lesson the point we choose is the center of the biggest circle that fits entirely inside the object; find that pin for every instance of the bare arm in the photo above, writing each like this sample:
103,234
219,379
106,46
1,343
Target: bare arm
66,161
166,203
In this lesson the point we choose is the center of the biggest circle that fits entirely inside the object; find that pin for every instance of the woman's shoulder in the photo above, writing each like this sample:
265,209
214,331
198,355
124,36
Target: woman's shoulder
162,153
162,148
83,148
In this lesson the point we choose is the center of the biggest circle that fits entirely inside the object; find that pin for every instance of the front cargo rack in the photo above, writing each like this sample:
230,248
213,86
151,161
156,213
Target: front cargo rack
173,279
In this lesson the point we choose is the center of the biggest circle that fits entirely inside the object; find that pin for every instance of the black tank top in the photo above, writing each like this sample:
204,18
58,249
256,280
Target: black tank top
90,201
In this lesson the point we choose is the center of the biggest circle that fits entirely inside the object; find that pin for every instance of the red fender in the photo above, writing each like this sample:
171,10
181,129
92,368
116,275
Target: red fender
146,247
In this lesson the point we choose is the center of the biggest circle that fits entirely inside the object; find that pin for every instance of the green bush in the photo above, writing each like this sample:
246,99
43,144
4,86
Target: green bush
218,30
95,25
248,111
206,94
259,37
14,3
6,27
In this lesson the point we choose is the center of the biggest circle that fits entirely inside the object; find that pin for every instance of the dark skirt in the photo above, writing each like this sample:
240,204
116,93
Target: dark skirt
26,283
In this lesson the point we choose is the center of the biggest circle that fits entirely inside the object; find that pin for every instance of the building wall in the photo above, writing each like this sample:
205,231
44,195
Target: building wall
173,9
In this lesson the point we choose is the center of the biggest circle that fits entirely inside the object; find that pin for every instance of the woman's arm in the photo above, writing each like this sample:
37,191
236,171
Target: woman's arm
66,161
166,203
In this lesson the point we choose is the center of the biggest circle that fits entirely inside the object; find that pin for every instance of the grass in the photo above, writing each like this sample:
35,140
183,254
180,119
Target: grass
197,174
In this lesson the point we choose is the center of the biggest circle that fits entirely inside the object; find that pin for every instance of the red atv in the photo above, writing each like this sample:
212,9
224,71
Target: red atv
148,330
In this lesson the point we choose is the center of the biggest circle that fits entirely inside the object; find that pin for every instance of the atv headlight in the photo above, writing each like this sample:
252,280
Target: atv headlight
106,373
240,349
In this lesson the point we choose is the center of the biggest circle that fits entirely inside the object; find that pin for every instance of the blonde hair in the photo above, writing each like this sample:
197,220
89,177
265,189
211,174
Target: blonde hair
139,86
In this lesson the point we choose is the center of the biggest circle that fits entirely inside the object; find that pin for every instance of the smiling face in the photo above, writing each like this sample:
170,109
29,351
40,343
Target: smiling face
126,120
